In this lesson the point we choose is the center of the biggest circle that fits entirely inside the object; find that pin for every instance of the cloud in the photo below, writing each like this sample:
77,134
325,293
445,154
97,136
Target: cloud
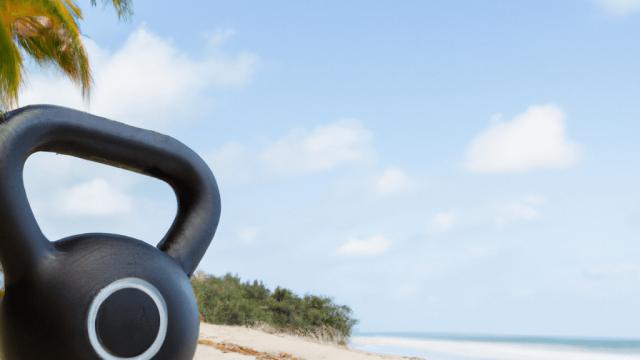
392,181
526,209
373,245
619,8
533,140
147,82
221,36
444,221
73,196
233,163
248,235
321,149
301,151
96,197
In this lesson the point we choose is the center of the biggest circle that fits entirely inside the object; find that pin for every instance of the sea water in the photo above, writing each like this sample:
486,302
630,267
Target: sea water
453,347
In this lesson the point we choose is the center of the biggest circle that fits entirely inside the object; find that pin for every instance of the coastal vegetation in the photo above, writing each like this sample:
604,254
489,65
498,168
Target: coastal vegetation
228,300
48,32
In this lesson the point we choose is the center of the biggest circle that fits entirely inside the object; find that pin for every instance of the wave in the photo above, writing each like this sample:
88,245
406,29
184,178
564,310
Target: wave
439,349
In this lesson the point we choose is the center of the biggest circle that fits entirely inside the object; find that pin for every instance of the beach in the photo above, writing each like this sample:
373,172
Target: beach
241,343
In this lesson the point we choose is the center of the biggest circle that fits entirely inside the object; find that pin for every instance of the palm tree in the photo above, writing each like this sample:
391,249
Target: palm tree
48,31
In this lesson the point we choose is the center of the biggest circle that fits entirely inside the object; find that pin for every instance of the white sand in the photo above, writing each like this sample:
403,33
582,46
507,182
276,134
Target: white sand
275,345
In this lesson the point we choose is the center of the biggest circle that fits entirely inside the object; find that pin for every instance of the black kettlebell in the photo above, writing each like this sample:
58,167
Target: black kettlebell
100,296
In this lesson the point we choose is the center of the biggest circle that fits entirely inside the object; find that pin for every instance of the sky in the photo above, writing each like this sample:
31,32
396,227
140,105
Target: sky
442,166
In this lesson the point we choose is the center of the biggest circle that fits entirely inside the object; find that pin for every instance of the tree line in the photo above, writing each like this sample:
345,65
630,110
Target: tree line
228,300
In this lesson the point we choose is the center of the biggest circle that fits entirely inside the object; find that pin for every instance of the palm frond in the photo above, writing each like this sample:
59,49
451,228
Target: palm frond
48,31
10,67
123,7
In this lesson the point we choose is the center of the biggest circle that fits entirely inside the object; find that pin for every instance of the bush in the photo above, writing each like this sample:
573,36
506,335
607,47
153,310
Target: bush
229,301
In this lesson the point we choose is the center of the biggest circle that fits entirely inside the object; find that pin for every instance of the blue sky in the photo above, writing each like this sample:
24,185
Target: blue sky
451,166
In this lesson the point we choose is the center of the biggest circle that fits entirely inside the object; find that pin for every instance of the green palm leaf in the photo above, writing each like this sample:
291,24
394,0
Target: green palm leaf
49,32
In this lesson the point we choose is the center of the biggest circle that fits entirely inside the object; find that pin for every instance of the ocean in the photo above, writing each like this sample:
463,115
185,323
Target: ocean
454,347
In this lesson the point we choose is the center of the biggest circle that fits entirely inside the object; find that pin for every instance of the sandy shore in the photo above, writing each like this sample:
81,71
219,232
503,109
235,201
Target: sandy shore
238,343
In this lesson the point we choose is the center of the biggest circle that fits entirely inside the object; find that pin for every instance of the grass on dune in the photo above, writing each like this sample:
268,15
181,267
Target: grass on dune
230,301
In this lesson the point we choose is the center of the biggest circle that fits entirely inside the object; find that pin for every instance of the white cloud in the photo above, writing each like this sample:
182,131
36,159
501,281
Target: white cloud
526,209
72,196
221,36
233,163
148,81
444,221
373,245
392,181
619,7
248,235
96,197
301,151
323,148
533,140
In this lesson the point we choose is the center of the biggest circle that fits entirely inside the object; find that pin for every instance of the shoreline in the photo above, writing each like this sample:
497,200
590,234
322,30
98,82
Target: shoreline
223,342
461,348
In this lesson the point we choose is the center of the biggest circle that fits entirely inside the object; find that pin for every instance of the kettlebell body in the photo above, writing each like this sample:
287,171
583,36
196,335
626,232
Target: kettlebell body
100,296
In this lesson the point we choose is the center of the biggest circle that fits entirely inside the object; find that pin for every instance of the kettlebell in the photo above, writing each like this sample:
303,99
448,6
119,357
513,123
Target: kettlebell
100,296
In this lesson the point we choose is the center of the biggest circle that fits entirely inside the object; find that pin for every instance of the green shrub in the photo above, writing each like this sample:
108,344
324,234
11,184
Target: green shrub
229,301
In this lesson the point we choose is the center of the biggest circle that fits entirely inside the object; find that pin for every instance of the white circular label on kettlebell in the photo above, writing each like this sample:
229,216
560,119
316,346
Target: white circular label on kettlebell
123,318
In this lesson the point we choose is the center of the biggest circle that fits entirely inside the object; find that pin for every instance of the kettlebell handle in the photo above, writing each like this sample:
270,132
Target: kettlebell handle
56,129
